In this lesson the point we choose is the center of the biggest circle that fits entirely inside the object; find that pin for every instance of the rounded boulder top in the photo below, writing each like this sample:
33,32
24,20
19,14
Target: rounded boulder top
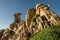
17,14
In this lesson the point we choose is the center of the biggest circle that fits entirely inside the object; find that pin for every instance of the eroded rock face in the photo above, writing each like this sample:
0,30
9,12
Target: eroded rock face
7,34
19,28
36,20
44,18
30,14
17,17
17,20
1,33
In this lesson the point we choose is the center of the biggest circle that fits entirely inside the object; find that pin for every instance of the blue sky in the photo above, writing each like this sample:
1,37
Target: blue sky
9,7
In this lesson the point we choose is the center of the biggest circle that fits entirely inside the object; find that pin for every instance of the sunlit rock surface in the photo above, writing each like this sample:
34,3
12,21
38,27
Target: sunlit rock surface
36,20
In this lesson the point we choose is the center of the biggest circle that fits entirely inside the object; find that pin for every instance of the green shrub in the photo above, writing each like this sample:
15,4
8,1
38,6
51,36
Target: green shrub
51,33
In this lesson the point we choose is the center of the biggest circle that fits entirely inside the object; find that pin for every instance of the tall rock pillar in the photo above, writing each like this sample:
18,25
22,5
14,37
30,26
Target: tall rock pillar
30,14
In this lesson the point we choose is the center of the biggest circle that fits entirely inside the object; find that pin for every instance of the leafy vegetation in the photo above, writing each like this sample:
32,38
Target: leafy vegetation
51,33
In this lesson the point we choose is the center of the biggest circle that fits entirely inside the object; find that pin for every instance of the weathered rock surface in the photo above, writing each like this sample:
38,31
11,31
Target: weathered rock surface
44,18
30,14
36,20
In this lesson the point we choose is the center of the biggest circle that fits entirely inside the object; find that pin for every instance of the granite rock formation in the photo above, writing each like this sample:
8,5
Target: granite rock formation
36,20
44,18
